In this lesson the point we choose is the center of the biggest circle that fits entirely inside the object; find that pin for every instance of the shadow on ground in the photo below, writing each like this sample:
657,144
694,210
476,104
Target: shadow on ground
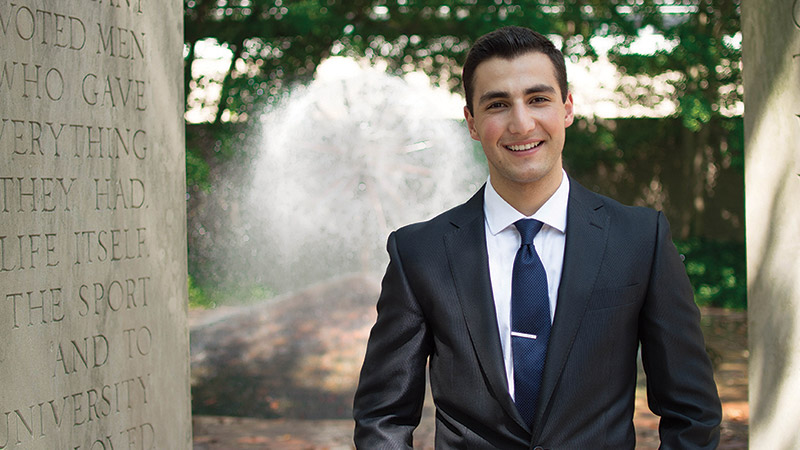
292,357
282,373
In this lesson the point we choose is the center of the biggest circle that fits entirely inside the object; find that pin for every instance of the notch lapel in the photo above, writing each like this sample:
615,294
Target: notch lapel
469,266
587,232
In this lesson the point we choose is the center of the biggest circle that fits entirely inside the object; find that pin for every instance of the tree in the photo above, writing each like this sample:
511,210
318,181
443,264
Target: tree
276,43
273,44
707,60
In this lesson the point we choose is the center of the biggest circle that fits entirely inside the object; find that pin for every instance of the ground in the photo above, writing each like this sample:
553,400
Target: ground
281,373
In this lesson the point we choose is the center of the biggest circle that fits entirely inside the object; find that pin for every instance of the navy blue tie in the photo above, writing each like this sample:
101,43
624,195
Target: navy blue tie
530,320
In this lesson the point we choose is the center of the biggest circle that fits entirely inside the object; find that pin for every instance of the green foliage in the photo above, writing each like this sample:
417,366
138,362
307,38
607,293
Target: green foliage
717,271
208,147
591,142
208,296
702,52
197,170
276,43
197,296
733,148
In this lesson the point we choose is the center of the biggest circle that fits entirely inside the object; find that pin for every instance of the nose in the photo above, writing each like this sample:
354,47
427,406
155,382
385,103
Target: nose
521,120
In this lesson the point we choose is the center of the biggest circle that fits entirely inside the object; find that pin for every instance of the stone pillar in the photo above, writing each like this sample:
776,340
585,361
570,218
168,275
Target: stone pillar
771,63
93,333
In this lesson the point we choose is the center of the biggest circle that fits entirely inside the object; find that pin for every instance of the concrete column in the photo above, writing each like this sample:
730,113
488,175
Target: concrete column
94,347
771,58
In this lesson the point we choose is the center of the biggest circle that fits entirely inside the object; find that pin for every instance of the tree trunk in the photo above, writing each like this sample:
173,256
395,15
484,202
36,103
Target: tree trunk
226,82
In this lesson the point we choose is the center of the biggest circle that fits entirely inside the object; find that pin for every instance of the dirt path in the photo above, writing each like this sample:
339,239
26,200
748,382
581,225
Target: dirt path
287,369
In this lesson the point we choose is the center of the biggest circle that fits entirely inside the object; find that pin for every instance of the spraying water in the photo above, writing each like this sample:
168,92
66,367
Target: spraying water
340,164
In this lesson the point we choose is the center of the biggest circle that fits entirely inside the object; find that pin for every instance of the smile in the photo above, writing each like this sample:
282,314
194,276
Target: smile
523,147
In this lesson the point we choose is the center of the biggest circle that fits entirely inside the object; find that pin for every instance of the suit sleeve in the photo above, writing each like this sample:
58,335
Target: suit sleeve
391,389
680,381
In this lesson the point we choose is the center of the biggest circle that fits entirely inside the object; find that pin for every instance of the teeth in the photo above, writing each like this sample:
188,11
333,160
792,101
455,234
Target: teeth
519,148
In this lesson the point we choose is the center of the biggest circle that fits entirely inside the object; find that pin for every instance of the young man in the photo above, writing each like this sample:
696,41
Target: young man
529,301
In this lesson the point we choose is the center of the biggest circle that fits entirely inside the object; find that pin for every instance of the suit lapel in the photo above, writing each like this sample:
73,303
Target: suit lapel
587,231
469,265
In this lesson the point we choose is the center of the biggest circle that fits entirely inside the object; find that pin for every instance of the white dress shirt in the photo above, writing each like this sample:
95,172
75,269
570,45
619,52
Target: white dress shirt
503,241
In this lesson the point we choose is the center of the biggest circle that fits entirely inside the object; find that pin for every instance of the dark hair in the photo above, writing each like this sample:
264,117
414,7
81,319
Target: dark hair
508,43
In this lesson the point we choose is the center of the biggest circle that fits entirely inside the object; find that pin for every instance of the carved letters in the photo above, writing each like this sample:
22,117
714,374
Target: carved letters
47,416
26,80
28,23
75,242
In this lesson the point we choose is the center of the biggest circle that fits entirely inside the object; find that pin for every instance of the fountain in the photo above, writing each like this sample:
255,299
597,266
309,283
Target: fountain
339,164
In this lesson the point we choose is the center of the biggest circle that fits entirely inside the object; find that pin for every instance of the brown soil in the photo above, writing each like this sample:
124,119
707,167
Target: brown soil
281,374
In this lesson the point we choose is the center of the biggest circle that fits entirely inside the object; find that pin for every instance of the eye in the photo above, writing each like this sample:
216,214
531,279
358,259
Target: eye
495,105
539,99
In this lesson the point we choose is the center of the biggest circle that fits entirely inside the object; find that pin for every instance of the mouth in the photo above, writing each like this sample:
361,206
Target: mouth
524,147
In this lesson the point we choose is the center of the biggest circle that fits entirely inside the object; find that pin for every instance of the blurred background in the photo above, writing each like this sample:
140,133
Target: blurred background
315,127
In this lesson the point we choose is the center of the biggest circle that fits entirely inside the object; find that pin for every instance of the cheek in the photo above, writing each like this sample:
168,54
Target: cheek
553,127
490,130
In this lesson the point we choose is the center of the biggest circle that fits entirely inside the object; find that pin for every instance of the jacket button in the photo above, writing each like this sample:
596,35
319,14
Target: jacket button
538,447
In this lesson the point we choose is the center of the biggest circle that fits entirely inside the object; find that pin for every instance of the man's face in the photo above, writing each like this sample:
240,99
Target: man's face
520,120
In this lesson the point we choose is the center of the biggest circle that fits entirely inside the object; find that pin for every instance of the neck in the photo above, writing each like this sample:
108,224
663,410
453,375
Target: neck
527,198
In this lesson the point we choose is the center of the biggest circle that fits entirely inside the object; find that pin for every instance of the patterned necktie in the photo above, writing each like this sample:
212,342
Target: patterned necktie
530,320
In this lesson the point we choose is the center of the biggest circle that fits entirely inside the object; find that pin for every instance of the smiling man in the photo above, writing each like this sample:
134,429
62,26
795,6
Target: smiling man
529,302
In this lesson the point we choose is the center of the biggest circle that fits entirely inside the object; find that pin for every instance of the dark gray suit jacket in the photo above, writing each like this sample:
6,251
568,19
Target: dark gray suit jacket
623,283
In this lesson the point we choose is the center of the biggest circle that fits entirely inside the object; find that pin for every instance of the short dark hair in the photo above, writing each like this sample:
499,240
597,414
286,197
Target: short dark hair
508,43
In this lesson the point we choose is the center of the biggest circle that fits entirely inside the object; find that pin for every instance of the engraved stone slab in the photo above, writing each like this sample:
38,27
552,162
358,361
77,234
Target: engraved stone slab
93,335
771,64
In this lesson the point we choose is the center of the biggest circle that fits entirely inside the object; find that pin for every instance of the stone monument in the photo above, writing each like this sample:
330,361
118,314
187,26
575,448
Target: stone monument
771,64
93,337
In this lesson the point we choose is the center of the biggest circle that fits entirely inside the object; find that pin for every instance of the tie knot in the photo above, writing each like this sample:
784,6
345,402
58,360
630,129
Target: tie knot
527,229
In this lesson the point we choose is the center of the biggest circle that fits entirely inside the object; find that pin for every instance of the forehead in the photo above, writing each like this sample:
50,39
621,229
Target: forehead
517,73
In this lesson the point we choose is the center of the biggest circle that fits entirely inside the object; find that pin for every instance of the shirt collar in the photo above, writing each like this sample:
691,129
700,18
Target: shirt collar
500,215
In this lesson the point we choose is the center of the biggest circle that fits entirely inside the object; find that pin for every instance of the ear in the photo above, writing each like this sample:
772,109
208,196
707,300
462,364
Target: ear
471,124
569,117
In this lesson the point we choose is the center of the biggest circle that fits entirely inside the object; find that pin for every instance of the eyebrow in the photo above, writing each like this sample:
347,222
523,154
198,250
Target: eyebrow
535,89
